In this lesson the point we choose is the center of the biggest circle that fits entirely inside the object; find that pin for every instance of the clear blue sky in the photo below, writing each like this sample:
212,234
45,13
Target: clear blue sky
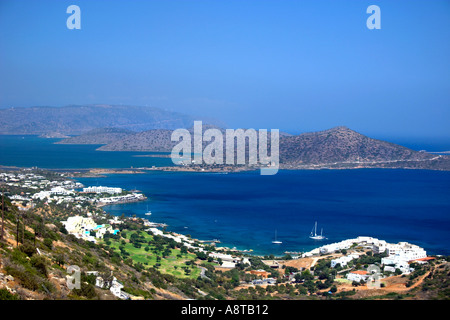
294,65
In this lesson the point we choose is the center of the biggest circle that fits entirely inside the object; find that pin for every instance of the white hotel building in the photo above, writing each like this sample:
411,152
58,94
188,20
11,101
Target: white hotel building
101,189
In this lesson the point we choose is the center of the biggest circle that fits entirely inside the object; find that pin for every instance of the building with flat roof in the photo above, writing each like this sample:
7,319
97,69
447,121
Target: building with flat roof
101,189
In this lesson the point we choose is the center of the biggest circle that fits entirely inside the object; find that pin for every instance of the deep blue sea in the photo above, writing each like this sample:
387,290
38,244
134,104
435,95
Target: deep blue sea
245,209
28,151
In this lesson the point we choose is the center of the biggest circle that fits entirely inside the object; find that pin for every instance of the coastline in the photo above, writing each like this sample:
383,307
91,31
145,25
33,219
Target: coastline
126,171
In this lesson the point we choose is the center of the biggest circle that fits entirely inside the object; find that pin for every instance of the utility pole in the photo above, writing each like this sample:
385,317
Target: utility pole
17,228
23,228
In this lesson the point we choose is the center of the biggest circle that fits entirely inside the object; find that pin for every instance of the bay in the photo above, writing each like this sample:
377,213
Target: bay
244,209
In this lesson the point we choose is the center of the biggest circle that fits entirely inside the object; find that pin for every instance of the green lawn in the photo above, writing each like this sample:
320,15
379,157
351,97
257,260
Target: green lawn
171,264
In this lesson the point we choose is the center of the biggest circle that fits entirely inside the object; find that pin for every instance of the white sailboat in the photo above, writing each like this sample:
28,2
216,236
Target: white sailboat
148,213
314,234
276,241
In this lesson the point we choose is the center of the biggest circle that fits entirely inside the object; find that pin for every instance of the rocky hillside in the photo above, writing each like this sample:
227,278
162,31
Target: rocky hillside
151,140
75,120
341,144
338,146
158,140
36,251
98,136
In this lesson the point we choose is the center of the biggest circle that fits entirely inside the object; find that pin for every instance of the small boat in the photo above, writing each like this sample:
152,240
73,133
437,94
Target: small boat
314,234
276,241
148,213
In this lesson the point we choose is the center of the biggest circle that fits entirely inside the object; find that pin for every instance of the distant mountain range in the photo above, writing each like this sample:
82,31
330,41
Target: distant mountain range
75,120
339,147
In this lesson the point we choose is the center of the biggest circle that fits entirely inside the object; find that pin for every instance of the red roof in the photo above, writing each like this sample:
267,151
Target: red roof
360,272
424,259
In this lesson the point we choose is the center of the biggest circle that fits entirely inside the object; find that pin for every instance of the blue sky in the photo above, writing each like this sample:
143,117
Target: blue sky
294,65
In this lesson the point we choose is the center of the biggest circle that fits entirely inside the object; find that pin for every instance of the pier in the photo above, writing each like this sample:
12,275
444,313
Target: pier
210,241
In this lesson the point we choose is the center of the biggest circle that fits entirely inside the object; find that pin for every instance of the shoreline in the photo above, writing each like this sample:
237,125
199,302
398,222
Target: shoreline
100,172
230,246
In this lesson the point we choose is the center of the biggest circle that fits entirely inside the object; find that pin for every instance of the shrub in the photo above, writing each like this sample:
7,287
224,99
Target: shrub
27,279
87,290
40,264
48,243
6,295
28,248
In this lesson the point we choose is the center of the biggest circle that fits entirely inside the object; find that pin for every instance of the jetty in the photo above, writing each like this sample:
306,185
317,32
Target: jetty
210,241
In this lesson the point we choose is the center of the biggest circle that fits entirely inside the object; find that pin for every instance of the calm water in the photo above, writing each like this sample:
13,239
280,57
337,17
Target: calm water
245,209
28,151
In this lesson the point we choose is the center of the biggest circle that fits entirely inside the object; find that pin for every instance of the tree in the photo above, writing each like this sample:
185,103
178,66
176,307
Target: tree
306,275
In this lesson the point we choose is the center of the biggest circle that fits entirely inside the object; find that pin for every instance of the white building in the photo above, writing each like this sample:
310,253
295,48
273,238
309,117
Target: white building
102,229
400,254
116,286
406,251
81,227
101,189
343,260
357,276
60,191
78,224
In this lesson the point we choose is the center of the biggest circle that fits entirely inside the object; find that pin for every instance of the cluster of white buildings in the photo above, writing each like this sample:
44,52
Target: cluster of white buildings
60,191
82,228
59,195
132,197
399,255
34,181
101,189
57,191
367,242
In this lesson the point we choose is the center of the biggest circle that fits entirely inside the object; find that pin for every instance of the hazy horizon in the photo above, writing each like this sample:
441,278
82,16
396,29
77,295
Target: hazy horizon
295,66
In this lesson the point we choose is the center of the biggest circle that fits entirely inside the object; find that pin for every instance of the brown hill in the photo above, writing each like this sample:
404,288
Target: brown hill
341,144
98,136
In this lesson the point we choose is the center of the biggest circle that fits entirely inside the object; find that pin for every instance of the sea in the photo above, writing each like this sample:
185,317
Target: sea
247,210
